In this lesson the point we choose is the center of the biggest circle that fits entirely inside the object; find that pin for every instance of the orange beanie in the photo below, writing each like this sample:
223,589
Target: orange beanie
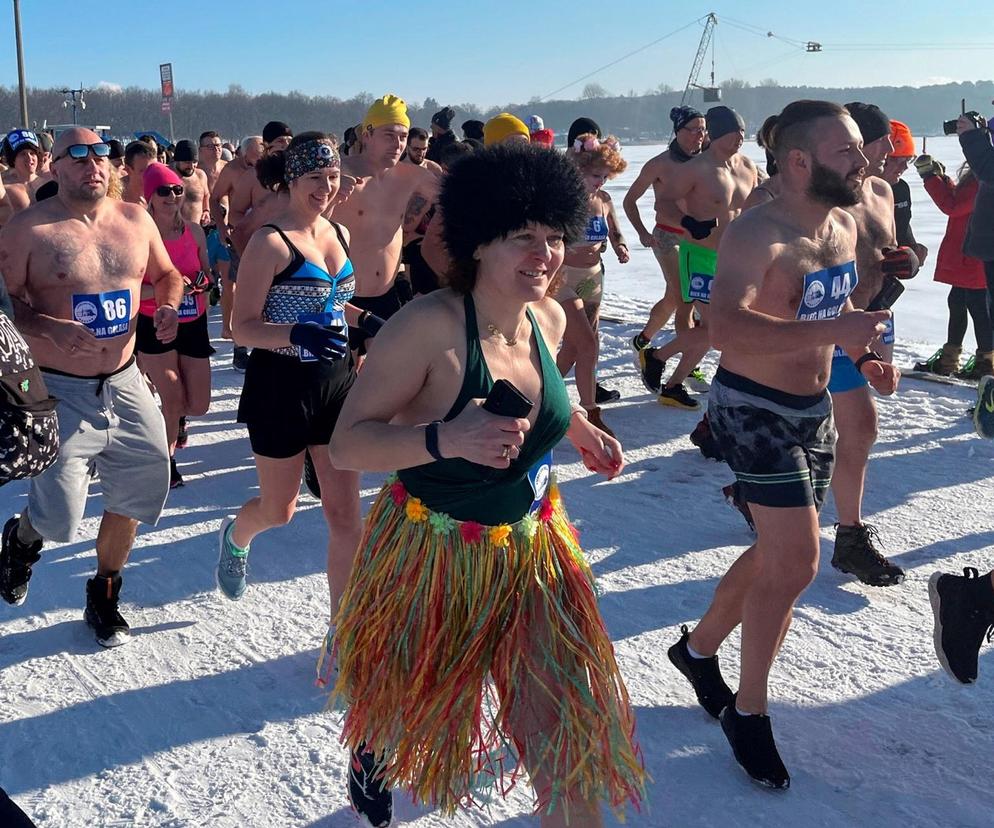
903,140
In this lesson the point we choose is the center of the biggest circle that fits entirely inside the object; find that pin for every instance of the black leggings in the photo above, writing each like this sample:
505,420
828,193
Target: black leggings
964,301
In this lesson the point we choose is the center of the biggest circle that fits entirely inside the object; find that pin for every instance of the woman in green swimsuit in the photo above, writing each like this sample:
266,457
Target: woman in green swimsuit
470,645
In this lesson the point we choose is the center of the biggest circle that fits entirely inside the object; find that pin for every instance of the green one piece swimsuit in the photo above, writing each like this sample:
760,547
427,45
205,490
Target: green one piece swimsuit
471,491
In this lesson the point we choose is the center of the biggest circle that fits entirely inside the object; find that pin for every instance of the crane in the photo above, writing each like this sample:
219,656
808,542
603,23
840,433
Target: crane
711,93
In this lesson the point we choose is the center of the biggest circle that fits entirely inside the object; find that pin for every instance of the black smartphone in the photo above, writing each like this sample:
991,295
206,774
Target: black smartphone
505,400
888,295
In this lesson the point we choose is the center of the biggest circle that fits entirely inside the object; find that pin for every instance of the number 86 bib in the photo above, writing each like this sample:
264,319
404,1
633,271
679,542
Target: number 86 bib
106,314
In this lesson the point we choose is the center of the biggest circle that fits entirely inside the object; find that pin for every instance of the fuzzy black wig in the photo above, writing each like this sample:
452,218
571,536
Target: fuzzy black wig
500,189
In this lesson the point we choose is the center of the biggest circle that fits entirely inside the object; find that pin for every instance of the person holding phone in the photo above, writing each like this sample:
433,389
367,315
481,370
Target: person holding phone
180,370
468,557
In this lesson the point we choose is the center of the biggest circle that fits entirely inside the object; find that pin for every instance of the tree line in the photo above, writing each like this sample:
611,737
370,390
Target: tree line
235,113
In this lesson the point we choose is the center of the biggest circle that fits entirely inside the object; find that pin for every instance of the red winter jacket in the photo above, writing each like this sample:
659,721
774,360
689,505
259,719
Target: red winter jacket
952,266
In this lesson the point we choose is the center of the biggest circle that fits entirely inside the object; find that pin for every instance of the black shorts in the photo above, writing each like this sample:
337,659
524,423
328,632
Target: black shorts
423,278
383,306
192,339
288,405
781,446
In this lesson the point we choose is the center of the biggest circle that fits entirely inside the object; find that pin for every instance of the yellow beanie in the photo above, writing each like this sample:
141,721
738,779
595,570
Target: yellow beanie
501,127
386,111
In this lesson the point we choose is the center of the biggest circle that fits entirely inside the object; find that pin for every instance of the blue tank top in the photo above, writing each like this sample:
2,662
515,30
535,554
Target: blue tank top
305,290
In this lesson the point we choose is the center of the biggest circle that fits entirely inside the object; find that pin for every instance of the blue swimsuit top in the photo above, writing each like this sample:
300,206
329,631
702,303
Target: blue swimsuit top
304,289
596,230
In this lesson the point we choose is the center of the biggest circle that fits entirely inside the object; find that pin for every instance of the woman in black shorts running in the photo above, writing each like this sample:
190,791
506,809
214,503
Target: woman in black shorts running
293,284
180,370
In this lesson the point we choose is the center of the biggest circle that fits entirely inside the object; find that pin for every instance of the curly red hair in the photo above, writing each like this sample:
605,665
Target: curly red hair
606,153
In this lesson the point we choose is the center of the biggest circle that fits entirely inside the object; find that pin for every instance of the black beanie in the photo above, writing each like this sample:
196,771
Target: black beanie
581,126
683,115
873,124
185,150
473,129
274,130
443,117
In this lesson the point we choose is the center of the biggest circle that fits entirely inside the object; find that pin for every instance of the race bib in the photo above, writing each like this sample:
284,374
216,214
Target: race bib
539,477
188,308
700,287
329,319
105,314
887,337
826,291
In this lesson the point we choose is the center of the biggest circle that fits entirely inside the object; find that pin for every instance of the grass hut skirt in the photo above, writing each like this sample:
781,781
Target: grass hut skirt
468,654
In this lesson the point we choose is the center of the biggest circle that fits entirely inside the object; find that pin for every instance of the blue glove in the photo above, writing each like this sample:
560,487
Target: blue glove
327,344
698,229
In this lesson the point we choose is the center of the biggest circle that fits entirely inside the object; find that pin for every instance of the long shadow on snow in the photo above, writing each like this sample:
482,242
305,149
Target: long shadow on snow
128,727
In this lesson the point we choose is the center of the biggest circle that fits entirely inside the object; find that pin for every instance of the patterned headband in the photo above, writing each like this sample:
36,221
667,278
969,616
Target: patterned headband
310,156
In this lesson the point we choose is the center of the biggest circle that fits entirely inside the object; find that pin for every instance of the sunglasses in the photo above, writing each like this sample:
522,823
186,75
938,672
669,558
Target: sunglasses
211,146
166,190
80,151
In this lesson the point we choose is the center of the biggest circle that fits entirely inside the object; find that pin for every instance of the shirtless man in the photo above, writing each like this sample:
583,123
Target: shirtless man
23,157
690,133
248,193
714,186
877,253
196,188
210,147
780,305
375,210
417,146
74,265
137,156
220,201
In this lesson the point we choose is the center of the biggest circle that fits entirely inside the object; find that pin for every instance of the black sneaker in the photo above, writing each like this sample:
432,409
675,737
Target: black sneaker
963,608
367,794
856,554
677,397
101,611
650,369
240,357
16,561
175,478
182,436
311,476
751,738
702,438
603,395
736,499
703,674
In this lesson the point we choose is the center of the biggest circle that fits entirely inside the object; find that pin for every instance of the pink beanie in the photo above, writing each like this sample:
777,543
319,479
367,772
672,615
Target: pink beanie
156,175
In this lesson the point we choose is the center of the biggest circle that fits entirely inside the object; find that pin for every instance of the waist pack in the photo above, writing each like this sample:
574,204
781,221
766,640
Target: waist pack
29,426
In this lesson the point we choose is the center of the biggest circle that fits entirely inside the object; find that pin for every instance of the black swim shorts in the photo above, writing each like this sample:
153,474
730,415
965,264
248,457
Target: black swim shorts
780,446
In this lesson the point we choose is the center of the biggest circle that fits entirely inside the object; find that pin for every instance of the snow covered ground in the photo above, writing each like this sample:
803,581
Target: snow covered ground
209,716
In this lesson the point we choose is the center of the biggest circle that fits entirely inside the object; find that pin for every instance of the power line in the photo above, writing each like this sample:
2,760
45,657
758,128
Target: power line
600,69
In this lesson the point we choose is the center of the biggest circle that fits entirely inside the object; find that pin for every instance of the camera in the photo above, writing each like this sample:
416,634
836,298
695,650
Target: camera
949,127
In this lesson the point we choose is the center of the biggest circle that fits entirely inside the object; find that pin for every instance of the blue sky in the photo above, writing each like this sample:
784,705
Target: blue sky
486,52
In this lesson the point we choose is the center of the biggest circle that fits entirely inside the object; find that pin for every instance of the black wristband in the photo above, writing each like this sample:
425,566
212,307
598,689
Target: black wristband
872,356
431,439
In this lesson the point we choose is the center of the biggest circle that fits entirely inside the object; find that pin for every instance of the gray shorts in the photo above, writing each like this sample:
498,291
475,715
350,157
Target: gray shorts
115,424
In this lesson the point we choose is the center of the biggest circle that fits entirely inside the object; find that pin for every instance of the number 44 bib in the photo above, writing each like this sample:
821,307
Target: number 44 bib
106,314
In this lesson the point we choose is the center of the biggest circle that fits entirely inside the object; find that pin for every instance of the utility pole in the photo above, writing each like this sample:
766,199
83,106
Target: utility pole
74,98
21,86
